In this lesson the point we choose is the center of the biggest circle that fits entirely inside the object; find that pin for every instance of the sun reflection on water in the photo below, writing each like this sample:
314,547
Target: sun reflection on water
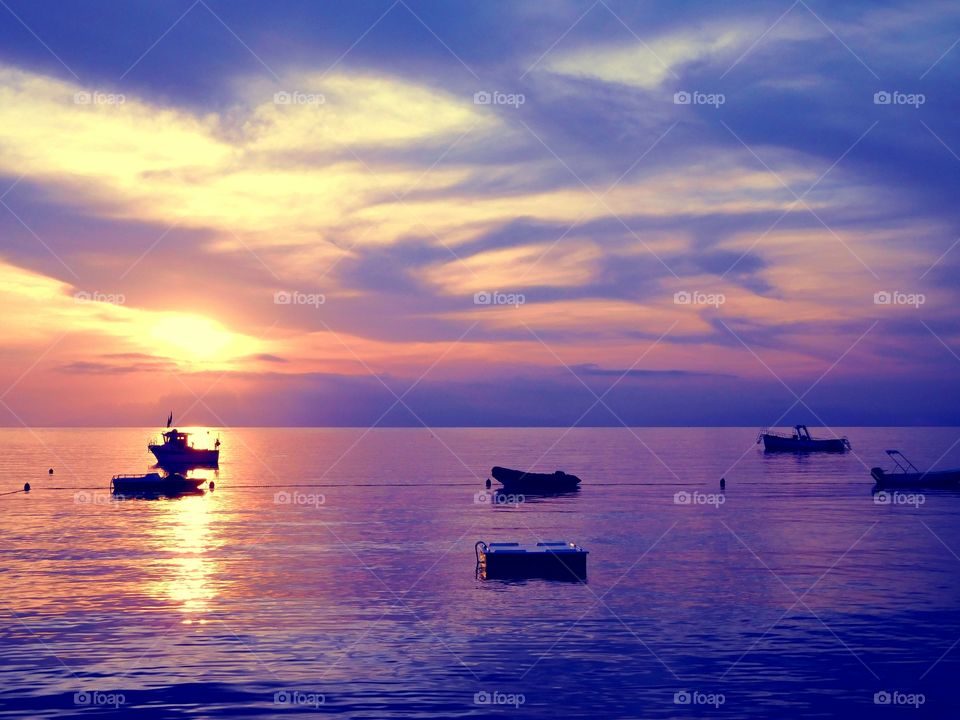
185,536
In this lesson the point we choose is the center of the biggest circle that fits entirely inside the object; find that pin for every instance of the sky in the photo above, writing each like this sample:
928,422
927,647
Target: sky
479,214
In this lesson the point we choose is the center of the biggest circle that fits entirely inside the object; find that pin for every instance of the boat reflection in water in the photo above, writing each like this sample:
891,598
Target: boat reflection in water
502,498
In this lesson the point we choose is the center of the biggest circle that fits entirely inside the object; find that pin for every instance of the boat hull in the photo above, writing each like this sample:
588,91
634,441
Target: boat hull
155,484
185,456
535,483
934,479
779,443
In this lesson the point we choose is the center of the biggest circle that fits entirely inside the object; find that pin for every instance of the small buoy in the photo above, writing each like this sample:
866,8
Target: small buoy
723,483
50,471
211,485
488,483
26,487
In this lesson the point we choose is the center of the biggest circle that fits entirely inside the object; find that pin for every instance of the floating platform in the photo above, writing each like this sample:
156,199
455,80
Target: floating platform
546,560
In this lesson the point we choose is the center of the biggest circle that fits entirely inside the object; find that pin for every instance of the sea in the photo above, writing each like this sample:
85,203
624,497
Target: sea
333,572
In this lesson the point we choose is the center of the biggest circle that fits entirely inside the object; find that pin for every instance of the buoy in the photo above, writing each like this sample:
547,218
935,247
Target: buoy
488,483
26,487
211,485
723,483
50,471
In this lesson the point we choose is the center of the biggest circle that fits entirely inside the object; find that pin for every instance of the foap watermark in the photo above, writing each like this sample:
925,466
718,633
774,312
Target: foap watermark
299,698
96,698
682,497
885,497
499,698
91,497
695,297
499,298
898,297
83,296
695,97
895,697
296,297
296,97
895,97
695,697
495,97
486,497
299,498
85,97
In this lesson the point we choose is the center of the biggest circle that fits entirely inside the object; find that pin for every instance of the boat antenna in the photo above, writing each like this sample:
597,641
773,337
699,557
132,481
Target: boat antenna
169,419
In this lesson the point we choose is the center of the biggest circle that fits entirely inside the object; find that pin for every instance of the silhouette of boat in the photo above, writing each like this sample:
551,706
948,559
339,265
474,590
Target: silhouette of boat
176,450
518,481
155,483
801,441
908,476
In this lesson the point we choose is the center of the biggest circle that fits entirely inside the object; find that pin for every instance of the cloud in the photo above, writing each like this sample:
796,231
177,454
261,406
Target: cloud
594,370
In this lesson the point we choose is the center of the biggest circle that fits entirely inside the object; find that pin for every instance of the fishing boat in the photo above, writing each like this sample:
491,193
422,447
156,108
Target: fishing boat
176,449
906,475
801,441
547,560
155,483
518,481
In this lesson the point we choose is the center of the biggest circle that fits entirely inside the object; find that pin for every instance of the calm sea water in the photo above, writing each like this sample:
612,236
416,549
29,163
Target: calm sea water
332,571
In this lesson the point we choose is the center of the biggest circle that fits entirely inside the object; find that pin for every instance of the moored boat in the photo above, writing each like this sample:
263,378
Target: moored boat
177,450
908,476
155,483
801,441
527,482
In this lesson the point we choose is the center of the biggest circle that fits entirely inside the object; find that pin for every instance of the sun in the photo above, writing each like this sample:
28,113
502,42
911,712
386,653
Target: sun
197,338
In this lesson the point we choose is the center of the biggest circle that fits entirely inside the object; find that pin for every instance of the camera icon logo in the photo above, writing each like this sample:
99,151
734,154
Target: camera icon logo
481,698
682,98
682,298
681,497
882,698
882,97
482,97
282,297
682,697
282,498
282,98
882,298
482,298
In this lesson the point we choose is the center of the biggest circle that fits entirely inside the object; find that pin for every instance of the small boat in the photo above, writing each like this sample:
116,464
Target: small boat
547,560
908,476
155,483
801,441
177,450
518,481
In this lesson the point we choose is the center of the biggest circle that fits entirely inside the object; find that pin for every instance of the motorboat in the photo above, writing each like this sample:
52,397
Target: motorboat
177,450
907,476
547,560
518,481
801,441
155,483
